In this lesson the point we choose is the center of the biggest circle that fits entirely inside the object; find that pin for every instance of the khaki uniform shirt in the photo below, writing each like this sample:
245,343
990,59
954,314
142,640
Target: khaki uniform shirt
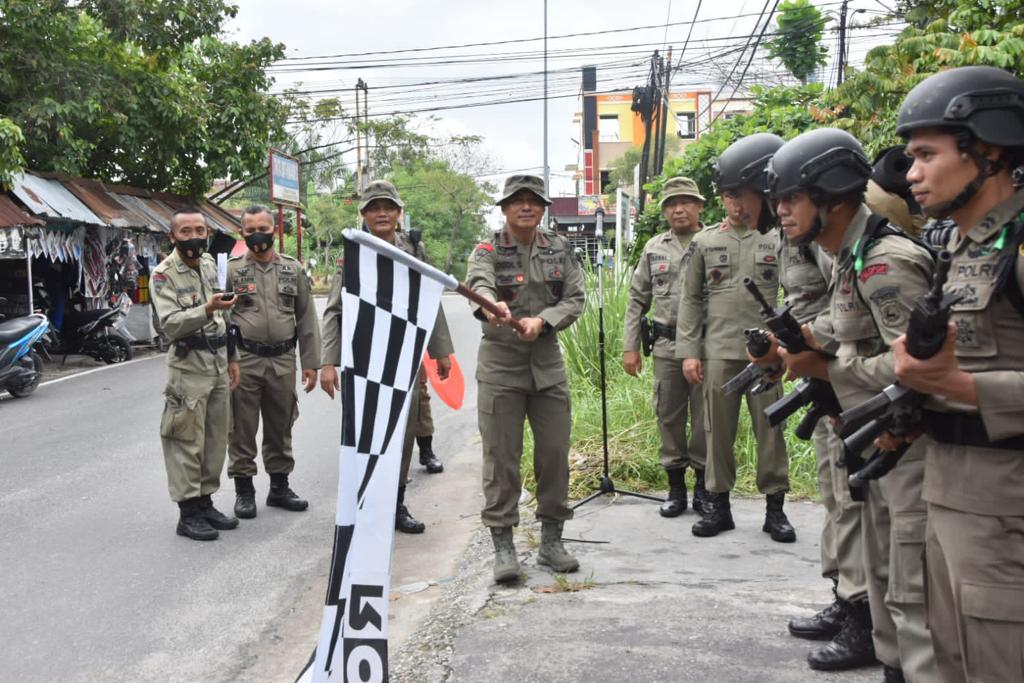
274,305
721,256
867,311
438,346
179,297
656,280
990,346
804,273
536,280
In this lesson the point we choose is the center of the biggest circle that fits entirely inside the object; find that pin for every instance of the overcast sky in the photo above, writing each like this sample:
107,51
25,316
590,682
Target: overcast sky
513,129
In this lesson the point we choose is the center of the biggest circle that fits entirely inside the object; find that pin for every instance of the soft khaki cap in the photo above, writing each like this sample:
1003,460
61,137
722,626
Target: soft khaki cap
679,187
379,189
514,183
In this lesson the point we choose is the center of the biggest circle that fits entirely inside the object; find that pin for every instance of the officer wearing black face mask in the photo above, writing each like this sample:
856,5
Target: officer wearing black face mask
194,426
274,313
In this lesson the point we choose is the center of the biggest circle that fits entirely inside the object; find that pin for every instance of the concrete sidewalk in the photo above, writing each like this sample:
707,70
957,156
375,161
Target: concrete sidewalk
651,602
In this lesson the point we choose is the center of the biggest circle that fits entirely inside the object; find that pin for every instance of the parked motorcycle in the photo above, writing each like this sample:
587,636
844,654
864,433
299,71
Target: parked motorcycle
100,333
21,368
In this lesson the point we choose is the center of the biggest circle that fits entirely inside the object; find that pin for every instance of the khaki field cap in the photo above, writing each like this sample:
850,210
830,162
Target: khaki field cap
379,189
514,183
679,187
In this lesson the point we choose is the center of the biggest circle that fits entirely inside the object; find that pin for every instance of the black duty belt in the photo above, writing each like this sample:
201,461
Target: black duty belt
664,331
199,342
962,429
266,350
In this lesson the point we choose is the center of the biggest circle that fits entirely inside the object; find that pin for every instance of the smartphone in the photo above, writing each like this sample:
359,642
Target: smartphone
227,297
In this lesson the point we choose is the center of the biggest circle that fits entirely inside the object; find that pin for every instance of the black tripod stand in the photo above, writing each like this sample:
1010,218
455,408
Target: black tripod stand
607,485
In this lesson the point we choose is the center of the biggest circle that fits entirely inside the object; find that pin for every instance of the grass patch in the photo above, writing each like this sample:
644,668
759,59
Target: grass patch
563,584
633,439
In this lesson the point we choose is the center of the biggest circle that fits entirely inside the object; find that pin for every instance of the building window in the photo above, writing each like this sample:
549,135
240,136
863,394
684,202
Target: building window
605,179
608,128
685,124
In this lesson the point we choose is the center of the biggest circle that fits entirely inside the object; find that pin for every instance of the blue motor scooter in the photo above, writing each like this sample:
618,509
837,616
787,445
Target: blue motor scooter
21,368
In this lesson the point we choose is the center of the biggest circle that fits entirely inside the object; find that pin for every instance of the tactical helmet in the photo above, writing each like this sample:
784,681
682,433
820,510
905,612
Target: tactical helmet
986,101
742,164
825,160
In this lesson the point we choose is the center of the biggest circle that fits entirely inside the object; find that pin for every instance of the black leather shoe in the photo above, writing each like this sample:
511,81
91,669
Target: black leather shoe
281,496
675,502
431,462
892,675
700,492
825,625
245,498
852,647
775,521
192,524
717,516
406,523
216,518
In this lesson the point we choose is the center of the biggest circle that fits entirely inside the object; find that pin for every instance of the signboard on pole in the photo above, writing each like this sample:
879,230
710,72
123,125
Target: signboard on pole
284,179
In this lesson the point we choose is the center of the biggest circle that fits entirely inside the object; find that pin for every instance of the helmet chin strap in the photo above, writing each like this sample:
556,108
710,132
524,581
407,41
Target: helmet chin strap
986,169
819,225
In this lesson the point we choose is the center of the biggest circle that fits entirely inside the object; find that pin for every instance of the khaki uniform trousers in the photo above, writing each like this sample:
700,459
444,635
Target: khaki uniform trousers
425,423
721,420
842,547
410,433
501,412
893,518
262,391
976,595
674,397
194,432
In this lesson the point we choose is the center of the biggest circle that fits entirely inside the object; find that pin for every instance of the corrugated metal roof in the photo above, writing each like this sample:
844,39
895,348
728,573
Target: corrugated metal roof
87,201
48,197
11,214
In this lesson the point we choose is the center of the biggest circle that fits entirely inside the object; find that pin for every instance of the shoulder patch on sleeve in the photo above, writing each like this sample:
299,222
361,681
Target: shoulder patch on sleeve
486,246
158,281
872,270
483,249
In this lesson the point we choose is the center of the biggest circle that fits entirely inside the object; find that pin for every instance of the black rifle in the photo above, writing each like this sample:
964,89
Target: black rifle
816,393
758,344
897,409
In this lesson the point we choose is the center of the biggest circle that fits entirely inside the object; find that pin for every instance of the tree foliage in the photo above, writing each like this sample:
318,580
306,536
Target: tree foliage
799,26
137,91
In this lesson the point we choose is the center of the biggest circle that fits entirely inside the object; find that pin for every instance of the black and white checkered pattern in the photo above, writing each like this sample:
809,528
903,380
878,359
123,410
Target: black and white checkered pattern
389,305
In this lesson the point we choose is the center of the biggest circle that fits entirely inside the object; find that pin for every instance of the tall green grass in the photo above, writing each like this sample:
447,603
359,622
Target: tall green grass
633,438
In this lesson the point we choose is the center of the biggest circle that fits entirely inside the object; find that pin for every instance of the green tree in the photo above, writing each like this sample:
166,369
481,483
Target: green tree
799,26
142,92
11,161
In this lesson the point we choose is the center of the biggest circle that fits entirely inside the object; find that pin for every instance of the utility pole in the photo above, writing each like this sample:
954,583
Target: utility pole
645,101
842,42
665,111
362,137
547,174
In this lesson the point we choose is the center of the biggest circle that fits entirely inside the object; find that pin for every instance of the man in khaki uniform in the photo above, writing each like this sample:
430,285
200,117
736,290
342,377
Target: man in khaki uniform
381,209
655,281
425,422
194,426
531,275
818,179
974,449
274,312
714,309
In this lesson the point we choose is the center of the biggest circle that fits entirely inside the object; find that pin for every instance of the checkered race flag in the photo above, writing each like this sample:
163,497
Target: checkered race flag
389,305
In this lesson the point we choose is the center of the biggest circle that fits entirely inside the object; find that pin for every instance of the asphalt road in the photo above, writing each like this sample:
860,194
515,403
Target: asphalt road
97,585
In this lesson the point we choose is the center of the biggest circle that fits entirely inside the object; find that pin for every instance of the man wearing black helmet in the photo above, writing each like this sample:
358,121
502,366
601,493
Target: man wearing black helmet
714,309
965,131
818,180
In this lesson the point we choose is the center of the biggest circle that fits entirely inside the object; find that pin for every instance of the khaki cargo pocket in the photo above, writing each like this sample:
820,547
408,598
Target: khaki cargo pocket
766,269
993,623
717,270
906,574
179,421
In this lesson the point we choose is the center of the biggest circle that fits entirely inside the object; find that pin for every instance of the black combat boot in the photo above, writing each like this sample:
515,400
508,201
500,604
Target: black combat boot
775,521
852,647
675,502
427,457
824,625
404,521
192,524
245,498
717,516
700,492
281,496
892,675
216,518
